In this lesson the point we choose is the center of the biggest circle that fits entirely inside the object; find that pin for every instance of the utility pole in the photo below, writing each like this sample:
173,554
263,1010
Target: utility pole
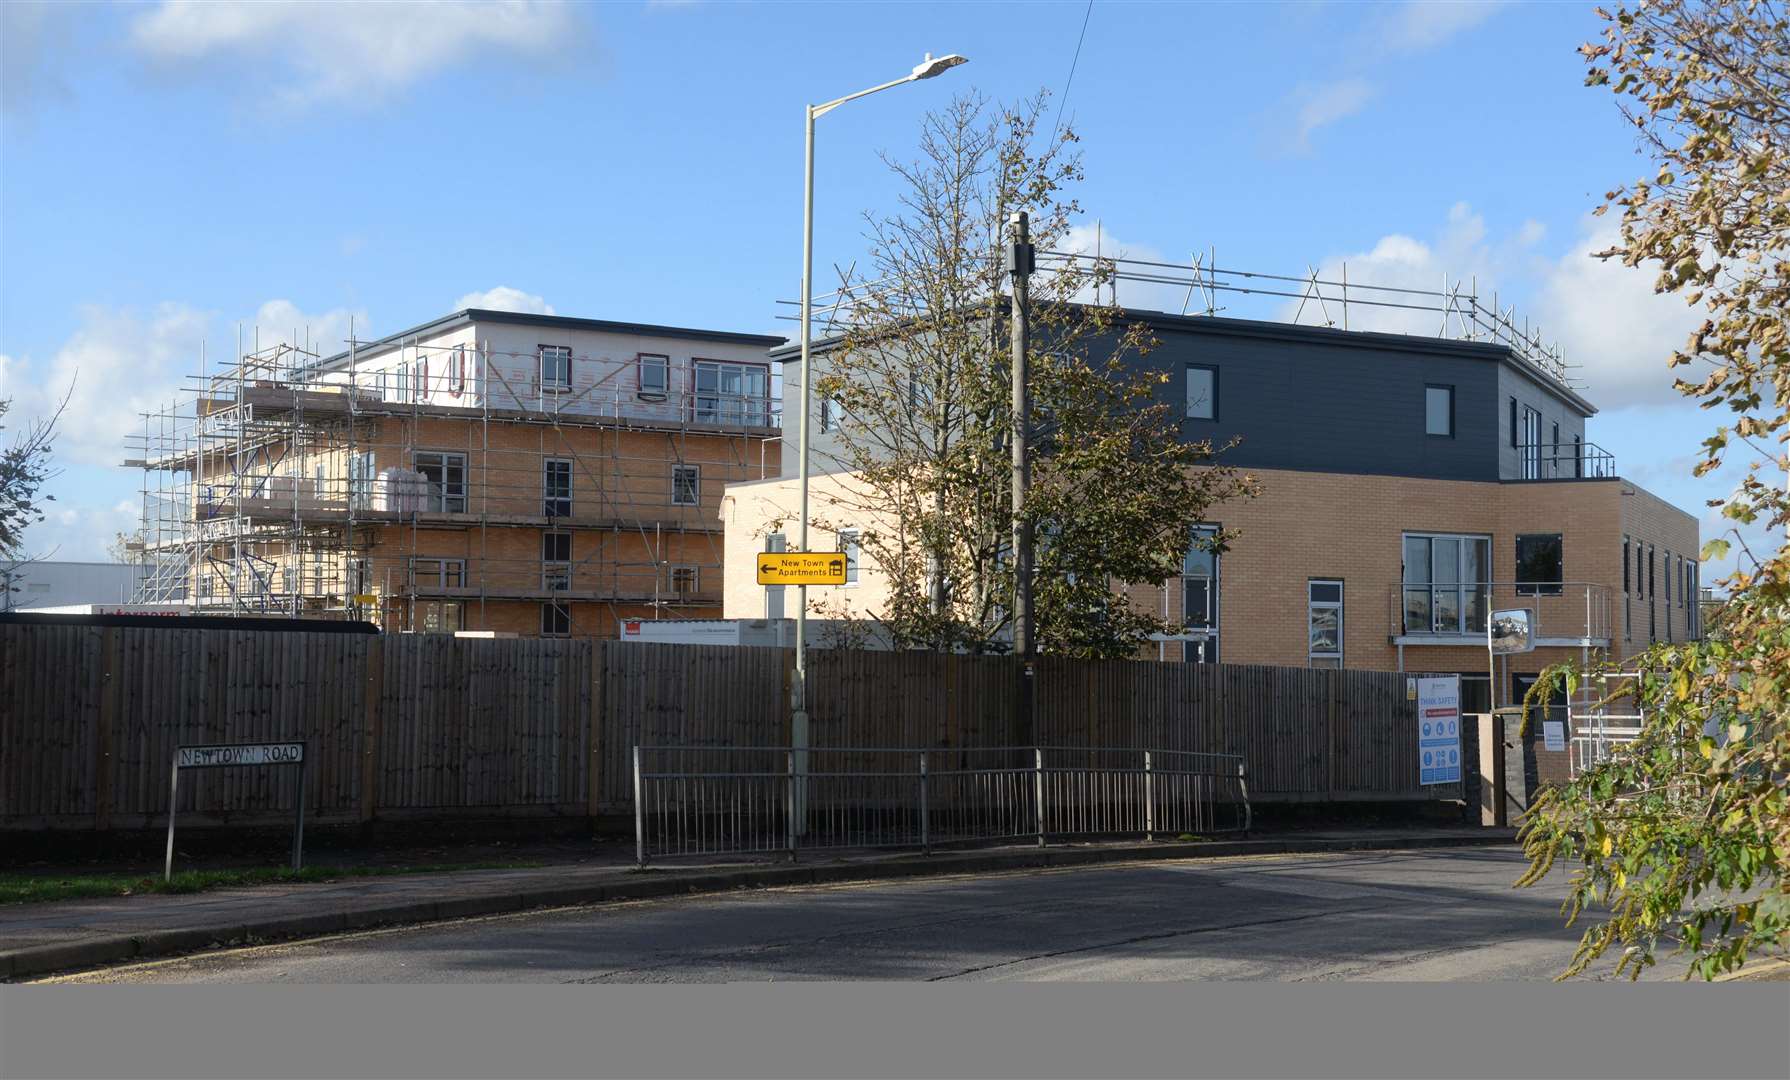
1021,260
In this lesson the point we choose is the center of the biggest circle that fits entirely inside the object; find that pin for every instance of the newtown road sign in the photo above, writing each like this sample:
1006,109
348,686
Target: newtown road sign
200,757
801,568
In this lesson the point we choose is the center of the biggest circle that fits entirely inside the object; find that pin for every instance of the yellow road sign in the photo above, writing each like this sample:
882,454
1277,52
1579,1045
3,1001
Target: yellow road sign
801,568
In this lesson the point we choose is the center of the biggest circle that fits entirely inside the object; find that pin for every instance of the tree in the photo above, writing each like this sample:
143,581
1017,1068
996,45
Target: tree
919,378
1685,834
24,469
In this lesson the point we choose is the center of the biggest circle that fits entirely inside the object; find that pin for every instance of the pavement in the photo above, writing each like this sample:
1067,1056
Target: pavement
36,939
1424,915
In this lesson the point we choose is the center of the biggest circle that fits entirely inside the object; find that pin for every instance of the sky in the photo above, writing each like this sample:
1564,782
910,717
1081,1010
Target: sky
172,174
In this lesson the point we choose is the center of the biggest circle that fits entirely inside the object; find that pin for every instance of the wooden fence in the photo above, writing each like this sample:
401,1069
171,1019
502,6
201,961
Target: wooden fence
413,727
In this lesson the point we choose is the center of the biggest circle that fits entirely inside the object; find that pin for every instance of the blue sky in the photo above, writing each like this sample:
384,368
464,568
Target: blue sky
170,172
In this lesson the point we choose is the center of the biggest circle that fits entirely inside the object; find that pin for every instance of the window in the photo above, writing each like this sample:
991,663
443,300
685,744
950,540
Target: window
1652,577
683,579
1554,453
438,573
556,367
728,393
1202,392
1447,583
686,485
556,488
1531,448
456,377
556,620
403,382
655,375
829,418
422,378
1627,586
1539,564
1668,580
556,560
848,543
1324,621
439,616
446,478
1438,410
360,481
1578,456
1513,423
1199,597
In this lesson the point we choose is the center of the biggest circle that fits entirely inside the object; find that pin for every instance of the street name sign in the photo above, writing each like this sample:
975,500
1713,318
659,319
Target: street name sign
1439,729
801,567
218,755
203,757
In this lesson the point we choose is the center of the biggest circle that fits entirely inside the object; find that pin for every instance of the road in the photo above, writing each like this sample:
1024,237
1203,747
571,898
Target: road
1436,915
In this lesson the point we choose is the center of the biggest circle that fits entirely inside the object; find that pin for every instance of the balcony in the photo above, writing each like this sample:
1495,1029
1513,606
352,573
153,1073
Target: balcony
1571,614
1564,461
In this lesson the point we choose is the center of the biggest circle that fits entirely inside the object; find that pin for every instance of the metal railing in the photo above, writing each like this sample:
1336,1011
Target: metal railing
739,800
1596,737
1564,461
1579,610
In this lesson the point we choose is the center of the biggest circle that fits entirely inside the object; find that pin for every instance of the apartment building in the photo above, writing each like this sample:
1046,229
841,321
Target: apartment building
487,471
1410,485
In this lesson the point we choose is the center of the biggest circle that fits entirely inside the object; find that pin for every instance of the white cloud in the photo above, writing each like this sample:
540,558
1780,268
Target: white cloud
1425,24
352,52
504,298
122,363
1609,320
80,533
1318,106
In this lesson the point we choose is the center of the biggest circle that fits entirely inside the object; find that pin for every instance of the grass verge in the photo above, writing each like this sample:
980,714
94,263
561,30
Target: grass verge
43,888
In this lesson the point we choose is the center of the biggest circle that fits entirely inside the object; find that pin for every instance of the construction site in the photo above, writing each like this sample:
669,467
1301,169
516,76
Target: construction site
495,472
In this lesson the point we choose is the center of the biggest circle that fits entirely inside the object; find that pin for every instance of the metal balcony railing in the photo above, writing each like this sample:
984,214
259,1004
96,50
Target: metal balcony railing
1564,461
1575,611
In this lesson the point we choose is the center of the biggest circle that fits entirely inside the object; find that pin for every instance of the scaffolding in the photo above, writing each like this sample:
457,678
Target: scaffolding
1202,287
448,491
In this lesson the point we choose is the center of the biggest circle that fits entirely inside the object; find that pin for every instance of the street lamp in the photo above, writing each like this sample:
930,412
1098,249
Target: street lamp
925,69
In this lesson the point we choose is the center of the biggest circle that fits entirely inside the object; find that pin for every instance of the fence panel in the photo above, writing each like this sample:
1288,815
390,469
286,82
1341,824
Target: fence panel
89,719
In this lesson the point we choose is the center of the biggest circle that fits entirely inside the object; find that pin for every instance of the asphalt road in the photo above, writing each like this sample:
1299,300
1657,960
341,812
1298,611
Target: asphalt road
1419,916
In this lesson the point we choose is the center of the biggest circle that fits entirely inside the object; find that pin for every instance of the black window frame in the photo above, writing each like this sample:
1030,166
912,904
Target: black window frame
1314,605
553,504
1528,586
1447,388
694,487
554,613
1187,403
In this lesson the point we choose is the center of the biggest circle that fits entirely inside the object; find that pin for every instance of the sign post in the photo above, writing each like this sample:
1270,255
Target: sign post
1439,729
218,756
801,567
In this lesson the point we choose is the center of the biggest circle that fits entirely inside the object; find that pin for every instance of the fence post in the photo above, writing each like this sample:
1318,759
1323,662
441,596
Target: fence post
1243,790
1149,801
173,798
1038,788
790,801
639,814
925,827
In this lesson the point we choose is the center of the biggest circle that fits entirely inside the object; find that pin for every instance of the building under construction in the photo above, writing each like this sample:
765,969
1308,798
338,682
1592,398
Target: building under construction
487,471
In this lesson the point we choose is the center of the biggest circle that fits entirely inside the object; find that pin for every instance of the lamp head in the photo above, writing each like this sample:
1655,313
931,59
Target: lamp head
929,67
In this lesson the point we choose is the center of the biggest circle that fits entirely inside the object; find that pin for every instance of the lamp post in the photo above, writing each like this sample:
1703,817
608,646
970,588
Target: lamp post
925,69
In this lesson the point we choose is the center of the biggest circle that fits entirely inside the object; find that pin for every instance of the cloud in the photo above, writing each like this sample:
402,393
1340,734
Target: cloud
32,35
121,363
1315,107
504,298
1424,24
80,533
358,52
1608,319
